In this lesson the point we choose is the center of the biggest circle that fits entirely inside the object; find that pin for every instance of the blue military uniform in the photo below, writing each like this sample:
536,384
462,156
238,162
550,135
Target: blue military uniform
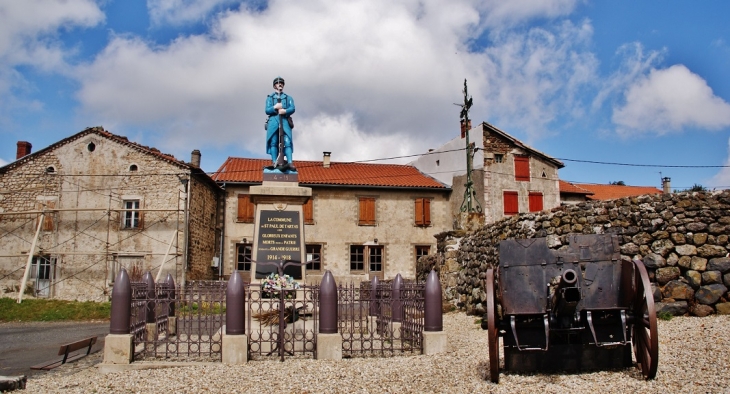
272,128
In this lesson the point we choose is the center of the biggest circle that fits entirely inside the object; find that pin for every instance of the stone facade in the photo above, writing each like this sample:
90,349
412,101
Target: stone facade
83,184
681,238
335,228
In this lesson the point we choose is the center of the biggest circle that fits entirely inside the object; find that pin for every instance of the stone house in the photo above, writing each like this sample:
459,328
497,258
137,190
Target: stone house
363,220
73,213
509,176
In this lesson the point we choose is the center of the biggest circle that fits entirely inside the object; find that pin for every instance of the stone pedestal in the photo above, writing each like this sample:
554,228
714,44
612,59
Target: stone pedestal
434,342
235,349
329,346
172,326
279,224
118,349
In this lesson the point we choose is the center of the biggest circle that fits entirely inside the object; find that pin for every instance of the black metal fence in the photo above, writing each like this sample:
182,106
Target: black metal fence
186,322
282,324
382,322
192,332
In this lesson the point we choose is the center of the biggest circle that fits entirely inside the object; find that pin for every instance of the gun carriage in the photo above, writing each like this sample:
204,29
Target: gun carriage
576,308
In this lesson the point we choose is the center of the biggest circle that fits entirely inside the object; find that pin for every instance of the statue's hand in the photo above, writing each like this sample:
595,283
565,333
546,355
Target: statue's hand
277,106
282,111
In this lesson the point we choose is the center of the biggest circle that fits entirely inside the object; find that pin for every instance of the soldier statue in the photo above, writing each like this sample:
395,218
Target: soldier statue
279,125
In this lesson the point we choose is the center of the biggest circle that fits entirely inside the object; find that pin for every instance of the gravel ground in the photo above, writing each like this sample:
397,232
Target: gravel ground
694,357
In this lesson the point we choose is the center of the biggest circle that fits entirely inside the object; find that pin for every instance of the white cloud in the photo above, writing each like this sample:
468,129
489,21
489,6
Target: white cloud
3,163
505,13
722,178
363,73
669,100
177,12
28,31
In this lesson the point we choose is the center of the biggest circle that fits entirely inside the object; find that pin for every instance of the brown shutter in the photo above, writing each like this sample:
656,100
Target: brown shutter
141,217
367,211
245,208
535,201
511,206
48,218
308,209
423,212
522,168
419,212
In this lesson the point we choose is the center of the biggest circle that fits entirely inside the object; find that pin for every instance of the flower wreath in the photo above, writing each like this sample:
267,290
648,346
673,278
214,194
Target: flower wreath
274,283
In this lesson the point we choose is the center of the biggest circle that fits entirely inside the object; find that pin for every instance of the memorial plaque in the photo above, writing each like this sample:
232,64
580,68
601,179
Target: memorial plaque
279,240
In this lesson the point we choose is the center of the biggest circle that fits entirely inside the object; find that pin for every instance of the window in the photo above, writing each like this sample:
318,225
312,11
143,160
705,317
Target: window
535,199
246,208
511,206
367,211
244,253
522,168
91,147
308,209
375,257
372,254
131,216
498,158
43,271
133,168
357,257
314,257
422,250
423,212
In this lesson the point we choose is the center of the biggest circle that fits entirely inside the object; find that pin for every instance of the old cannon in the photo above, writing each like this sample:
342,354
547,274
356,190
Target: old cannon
576,308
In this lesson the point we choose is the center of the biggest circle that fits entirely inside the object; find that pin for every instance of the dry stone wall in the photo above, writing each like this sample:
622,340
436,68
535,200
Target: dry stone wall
682,238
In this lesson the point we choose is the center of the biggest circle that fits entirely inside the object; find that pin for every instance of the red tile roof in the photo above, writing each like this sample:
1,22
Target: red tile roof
567,187
610,192
244,170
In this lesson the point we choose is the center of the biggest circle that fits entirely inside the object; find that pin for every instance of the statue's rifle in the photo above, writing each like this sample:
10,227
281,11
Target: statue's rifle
280,157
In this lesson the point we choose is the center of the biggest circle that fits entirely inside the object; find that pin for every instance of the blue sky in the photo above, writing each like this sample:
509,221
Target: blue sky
637,83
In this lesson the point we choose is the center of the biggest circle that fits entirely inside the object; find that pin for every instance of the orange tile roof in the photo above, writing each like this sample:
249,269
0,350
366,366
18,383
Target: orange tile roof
610,192
244,170
567,187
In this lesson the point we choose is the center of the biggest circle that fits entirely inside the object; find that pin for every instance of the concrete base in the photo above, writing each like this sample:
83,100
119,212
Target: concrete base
434,342
235,349
118,349
396,330
329,346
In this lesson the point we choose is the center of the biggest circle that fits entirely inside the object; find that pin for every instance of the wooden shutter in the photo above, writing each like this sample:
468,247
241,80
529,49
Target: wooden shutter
48,218
308,209
245,208
535,199
511,205
423,212
522,168
367,211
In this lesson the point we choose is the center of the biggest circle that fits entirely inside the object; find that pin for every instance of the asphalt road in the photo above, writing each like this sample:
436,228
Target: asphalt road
26,344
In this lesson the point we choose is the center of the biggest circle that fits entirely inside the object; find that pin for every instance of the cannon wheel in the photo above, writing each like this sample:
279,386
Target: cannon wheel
492,334
645,339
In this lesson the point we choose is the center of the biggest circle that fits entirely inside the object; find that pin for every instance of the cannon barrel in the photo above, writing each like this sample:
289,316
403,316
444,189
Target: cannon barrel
567,294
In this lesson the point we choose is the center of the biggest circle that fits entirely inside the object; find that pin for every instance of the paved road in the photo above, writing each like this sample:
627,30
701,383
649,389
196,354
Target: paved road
26,344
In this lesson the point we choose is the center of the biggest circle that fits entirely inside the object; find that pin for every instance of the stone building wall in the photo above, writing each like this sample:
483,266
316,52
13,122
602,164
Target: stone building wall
682,239
202,227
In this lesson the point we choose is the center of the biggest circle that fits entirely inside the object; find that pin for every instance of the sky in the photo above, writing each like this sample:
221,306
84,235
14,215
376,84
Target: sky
639,84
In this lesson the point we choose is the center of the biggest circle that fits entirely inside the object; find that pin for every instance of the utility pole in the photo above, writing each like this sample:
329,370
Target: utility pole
470,203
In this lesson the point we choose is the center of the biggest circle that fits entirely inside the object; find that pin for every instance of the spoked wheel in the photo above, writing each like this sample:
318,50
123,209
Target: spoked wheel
492,334
644,331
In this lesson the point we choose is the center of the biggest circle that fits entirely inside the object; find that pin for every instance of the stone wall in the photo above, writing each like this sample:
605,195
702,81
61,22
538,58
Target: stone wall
682,239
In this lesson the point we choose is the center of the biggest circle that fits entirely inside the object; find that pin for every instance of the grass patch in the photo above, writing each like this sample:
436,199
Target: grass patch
52,310
664,316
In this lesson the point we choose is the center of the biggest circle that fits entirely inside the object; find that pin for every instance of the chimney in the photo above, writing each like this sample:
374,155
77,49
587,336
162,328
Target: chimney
667,185
24,148
326,159
195,159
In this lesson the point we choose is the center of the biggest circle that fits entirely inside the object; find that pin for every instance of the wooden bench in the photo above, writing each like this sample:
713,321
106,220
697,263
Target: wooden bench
65,351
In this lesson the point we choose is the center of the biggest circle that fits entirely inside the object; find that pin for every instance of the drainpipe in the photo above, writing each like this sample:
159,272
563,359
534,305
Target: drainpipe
186,229
223,231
